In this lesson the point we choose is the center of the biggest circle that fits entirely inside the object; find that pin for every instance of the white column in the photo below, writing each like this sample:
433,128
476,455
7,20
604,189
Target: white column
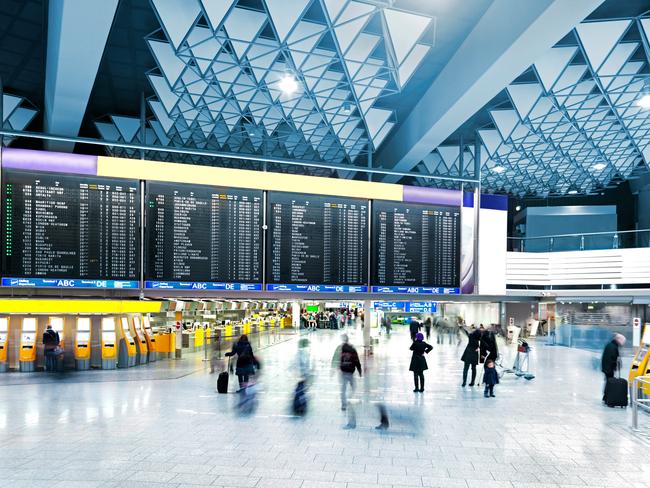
367,310
295,315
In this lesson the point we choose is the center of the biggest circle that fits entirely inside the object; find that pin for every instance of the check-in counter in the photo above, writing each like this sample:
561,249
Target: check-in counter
108,343
152,343
199,337
641,362
4,344
166,344
27,351
140,340
82,344
127,351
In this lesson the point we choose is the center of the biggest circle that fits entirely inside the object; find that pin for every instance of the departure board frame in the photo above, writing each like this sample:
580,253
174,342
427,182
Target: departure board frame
163,279
276,273
89,257
422,285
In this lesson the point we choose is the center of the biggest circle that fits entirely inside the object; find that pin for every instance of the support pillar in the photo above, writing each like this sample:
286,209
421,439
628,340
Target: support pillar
295,315
367,310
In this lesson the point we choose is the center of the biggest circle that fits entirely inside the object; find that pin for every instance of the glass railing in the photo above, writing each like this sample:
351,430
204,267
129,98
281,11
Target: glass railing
581,242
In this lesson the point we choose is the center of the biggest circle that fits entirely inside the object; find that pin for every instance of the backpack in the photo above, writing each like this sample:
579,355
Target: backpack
347,362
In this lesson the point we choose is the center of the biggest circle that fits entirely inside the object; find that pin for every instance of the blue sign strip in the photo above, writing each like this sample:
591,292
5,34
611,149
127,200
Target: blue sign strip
67,283
416,290
201,285
318,288
415,307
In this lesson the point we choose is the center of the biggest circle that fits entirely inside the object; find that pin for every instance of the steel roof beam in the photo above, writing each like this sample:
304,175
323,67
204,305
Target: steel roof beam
505,42
77,31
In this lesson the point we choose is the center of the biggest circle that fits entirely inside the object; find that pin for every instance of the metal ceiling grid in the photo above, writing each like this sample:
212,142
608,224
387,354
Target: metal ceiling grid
220,65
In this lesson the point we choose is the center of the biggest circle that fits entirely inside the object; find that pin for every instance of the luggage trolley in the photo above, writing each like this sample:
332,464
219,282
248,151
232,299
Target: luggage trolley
522,361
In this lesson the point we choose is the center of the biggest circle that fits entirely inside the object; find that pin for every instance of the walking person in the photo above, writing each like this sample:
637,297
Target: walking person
427,327
471,355
51,343
246,361
490,378
419,362
414,328
610,361
347,361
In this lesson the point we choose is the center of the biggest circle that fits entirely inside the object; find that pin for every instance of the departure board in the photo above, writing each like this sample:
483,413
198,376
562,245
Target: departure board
415,245
316,240
203,234
80,228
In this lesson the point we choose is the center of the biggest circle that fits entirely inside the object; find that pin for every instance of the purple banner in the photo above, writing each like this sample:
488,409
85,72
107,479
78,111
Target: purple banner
435,196
29,160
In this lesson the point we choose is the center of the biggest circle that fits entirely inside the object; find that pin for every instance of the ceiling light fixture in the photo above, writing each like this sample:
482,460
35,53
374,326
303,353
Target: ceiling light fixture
498,169
288,84
599,166
572,192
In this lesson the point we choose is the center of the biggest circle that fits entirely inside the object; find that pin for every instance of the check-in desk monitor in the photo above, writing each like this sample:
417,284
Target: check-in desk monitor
140,340
82,344
4,345
27,354
108,342
127,350
151,339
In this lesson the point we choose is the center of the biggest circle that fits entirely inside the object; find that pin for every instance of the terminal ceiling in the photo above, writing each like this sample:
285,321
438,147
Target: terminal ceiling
210,76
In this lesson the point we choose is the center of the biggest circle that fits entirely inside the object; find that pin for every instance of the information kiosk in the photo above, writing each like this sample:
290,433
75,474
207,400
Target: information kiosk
27,352
109,352
151,339
82,344
127,350
140,341
641,362
4,344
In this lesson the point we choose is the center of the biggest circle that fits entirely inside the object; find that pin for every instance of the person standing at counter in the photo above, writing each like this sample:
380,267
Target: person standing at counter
51,342
246,361
418,361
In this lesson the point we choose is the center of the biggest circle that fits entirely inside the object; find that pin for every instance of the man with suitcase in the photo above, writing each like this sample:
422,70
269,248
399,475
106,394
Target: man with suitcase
609,364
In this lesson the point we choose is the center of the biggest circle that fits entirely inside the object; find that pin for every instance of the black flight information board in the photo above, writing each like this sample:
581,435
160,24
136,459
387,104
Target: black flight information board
203,237
317,243
70,231
415,245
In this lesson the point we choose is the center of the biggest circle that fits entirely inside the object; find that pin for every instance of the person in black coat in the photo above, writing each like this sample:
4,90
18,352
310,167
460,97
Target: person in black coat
471,355
246,361
611,354
414,328
418,361
489,349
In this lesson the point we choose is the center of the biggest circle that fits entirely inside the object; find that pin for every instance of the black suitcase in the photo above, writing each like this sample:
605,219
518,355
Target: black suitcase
222,382
616,392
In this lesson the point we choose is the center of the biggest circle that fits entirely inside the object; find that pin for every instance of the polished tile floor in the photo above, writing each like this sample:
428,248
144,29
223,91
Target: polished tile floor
165,426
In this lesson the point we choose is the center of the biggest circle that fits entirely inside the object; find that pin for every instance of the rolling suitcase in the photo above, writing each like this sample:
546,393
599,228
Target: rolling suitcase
222,380
616,392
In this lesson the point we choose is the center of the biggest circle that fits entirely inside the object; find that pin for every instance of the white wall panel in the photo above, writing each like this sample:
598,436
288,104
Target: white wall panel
492,250
610,266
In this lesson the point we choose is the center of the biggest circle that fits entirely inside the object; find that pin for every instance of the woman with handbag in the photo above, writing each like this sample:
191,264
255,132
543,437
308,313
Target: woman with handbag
418,361
246,361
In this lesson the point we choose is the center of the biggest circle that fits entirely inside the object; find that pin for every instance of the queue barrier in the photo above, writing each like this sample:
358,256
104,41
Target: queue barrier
640,398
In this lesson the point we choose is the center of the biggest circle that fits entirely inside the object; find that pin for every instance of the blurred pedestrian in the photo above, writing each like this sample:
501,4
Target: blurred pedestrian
51,343
471,355
414,327
304,359
610,361
347,361
427,327
246,361
419,362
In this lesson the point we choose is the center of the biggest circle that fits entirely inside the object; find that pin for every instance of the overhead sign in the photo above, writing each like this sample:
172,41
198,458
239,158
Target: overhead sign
68,283
201,285
416,290
412,307
317,288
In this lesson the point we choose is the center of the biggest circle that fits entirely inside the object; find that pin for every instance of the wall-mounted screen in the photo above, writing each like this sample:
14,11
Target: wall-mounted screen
415,246
203,237
69,231
316,243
